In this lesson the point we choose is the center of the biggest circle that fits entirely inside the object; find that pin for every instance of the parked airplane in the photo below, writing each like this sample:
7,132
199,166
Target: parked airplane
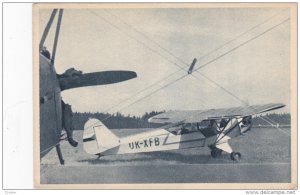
55,115
184,129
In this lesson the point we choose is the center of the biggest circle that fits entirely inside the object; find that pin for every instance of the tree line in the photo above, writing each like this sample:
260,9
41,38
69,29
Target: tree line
120,121
283,119
116,120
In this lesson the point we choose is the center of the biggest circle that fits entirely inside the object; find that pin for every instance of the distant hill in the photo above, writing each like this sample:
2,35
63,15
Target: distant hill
119,121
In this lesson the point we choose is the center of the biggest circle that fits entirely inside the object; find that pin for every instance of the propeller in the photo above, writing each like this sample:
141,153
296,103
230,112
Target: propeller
70,79
77,79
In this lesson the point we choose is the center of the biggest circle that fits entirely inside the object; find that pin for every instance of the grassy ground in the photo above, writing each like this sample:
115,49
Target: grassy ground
265,158
258,146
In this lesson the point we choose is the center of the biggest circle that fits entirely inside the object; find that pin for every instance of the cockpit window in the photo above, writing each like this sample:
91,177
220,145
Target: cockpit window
204,124
183,129
209,127
206,127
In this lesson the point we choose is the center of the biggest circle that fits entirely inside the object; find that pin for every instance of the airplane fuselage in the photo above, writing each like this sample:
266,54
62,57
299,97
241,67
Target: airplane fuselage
158,140
50,107
98,139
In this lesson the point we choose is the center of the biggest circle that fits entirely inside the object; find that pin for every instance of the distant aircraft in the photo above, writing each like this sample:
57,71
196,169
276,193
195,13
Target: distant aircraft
184,129
55,115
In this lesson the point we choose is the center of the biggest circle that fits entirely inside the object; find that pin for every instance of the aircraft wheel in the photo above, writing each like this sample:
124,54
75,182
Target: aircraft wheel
216,153
236,156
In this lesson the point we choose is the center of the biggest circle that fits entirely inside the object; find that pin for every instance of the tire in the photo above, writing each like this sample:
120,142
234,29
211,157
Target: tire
235,156
216,153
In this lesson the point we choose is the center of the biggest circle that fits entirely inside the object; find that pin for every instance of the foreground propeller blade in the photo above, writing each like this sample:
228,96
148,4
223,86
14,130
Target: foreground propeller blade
95,78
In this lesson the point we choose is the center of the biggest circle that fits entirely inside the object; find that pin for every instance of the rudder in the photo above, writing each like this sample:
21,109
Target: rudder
97,137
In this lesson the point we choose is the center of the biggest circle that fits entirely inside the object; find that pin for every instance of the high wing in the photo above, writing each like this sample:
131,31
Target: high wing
194,116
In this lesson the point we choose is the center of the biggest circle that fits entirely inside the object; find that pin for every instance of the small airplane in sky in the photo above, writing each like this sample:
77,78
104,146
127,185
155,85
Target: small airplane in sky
211,128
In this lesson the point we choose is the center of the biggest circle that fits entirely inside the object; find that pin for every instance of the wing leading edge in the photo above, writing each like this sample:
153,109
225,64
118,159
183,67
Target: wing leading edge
194,116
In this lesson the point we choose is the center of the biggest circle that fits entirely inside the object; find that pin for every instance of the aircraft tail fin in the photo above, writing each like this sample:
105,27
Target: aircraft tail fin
97,137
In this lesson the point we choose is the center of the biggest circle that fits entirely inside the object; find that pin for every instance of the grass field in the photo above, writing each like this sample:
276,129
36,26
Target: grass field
259,145
264,149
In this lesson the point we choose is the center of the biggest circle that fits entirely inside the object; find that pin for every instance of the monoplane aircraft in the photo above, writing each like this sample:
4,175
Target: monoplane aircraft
55,115
211,128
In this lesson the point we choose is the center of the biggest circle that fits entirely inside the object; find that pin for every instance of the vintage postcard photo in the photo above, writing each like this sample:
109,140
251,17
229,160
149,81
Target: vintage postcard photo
165,96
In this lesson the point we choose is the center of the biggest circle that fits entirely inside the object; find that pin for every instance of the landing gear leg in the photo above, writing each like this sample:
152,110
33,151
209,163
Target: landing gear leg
60,157
99,156
72,142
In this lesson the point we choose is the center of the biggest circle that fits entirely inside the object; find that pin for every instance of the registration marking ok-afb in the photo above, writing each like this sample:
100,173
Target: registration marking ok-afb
144,143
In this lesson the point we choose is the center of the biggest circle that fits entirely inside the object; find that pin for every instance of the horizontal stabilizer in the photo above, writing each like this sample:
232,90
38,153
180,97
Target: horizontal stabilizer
95,78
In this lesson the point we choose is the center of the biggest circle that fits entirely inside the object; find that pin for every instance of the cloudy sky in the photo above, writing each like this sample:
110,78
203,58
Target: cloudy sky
245,51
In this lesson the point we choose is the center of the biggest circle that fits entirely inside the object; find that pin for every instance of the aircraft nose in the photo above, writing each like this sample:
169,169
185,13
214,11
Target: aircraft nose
245,129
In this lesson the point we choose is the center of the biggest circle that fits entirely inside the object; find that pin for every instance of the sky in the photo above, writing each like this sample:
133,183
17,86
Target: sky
243,52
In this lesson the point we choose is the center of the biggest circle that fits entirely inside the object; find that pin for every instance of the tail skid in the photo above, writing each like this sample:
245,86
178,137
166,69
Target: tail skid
97,137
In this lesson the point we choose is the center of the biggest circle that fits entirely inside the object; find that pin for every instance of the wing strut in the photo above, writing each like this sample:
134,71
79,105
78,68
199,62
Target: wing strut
60,157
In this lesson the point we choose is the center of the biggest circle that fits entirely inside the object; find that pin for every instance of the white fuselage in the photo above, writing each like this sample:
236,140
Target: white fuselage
159,140
98,139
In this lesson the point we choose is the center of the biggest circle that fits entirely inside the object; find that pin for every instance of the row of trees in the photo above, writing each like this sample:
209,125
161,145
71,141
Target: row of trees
115,121
273,118
118,120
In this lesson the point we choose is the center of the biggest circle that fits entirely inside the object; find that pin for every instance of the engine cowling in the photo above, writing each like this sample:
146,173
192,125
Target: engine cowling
246,124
